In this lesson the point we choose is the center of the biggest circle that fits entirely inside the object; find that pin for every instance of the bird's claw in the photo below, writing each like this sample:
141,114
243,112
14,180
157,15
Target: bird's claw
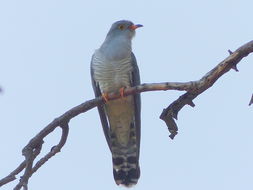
121,91
105,97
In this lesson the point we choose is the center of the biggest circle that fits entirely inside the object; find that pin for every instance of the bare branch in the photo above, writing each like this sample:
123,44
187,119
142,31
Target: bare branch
32,149
203,84
54,149
12,175
193,88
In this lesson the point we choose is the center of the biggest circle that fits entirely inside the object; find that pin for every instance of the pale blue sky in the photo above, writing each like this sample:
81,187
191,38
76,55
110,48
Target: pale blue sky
45,51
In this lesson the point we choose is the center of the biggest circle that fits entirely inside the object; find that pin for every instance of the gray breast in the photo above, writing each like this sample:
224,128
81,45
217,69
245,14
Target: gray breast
111,74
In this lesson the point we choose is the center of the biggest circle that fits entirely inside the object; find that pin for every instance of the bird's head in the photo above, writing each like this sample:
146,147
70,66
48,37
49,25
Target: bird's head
123,28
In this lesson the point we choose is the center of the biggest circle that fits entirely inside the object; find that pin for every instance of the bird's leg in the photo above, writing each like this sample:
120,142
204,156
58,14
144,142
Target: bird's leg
121,91
105,97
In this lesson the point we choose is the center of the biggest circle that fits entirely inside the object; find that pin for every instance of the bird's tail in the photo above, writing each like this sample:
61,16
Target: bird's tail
126,170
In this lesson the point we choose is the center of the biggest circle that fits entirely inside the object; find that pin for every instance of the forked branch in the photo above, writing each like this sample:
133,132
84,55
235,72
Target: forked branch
170,113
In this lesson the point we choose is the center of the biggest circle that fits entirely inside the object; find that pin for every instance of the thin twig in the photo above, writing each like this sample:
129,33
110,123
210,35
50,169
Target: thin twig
54,149
12,175
251,100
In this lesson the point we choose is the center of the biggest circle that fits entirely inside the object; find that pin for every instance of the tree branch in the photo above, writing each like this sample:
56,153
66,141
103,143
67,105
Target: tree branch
169,114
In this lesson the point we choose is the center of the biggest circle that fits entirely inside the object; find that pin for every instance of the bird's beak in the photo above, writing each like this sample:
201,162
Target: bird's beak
134,26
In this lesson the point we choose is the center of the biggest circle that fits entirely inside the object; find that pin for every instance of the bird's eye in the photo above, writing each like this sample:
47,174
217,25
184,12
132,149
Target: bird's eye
121,27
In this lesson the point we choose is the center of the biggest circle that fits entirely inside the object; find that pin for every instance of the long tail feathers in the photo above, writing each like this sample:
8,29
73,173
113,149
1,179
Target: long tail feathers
126,170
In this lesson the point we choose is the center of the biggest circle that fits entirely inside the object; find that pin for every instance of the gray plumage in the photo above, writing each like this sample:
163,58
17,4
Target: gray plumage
114,66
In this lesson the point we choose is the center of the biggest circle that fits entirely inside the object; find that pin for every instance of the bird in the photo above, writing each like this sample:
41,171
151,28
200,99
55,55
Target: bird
113,68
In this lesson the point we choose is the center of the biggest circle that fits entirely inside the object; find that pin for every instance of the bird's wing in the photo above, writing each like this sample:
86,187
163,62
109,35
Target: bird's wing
135,80
101,109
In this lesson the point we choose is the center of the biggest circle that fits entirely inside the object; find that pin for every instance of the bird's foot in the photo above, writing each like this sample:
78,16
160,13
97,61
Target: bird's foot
121,91
105,97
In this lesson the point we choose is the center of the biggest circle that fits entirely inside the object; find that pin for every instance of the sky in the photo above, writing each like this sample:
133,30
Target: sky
45,52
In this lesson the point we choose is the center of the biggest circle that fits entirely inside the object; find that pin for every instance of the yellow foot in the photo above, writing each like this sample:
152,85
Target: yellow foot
105,97
121,91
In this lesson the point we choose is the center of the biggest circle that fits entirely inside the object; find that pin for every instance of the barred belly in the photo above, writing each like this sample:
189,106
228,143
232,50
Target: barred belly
112,75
